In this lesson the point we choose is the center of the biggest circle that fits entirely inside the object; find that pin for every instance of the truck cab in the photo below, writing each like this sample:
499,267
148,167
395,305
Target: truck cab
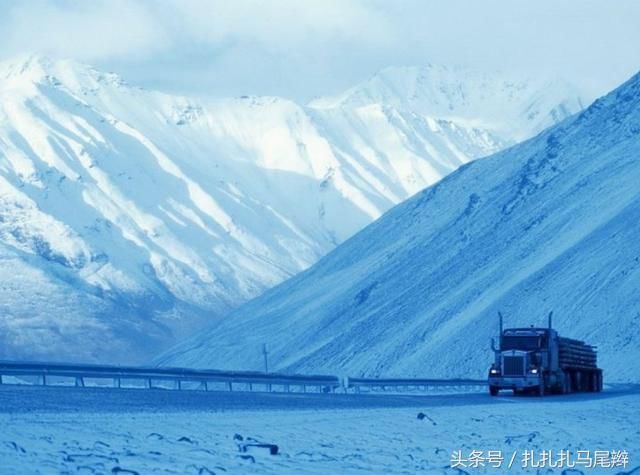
520,359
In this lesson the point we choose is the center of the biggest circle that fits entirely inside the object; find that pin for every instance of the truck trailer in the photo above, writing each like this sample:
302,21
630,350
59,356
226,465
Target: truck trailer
539,361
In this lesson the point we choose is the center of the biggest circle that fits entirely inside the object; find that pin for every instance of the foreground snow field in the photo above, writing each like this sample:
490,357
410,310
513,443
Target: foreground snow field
68,430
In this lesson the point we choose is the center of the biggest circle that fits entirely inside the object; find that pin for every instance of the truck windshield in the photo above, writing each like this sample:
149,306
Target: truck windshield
526,343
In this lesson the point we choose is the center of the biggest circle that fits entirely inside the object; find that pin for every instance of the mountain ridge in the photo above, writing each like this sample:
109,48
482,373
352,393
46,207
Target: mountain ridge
463,94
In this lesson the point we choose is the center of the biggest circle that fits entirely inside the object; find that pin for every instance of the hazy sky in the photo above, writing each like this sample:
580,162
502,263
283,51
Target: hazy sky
305,48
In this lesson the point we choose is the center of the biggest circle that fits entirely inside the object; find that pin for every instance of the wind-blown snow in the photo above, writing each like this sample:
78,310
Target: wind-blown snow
130,218
547,225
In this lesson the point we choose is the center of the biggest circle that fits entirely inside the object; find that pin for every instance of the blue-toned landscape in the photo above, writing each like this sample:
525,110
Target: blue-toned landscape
319,237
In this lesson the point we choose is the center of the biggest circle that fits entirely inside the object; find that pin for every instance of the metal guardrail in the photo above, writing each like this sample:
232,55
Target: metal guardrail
151,377
243,380
407,384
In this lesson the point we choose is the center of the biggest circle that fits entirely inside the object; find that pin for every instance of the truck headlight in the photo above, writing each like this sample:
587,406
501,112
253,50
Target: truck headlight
493,371
533,370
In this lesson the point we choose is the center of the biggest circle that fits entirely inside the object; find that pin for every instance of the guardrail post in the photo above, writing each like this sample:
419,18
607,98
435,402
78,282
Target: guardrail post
179,384
147,383
230,386
206,385
1,379
44,379
79,382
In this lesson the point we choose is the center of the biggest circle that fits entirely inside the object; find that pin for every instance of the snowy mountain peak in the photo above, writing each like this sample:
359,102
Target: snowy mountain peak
35,69
513,107
32,66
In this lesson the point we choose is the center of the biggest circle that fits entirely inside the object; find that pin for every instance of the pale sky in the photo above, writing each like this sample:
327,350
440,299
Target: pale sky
306,48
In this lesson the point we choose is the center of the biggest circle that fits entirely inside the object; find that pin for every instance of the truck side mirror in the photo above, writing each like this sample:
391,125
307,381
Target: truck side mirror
493,345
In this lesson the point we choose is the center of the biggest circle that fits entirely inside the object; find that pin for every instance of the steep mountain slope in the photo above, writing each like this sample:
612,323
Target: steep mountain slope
549,224
130,218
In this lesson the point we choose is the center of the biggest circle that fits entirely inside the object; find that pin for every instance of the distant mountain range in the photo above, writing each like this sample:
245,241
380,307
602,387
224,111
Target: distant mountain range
510,109
130,219
551,224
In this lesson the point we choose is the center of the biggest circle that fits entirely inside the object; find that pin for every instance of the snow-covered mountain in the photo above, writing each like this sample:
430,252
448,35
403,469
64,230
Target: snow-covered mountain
551,224
130,218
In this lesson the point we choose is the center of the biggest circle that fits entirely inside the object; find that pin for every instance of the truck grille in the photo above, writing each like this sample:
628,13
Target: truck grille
513,366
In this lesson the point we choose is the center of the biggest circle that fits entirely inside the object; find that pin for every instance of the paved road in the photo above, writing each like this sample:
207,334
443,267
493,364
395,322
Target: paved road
21,399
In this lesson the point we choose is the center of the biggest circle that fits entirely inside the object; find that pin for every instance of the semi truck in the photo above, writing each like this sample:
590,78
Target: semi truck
539,361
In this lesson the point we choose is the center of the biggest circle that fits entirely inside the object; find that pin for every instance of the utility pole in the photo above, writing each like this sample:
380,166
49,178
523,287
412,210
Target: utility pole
266,360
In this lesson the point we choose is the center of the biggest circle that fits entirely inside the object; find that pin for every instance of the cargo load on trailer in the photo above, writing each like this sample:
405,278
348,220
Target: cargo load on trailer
538,360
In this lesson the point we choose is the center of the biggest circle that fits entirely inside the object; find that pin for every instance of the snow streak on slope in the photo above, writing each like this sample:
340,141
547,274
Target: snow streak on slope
550,224
129,218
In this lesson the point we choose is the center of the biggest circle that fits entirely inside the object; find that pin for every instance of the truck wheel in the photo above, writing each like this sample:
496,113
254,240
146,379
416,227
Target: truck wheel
493,390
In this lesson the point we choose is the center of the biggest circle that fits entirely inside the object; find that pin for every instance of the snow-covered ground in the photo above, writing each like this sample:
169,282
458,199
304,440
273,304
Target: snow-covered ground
69,430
